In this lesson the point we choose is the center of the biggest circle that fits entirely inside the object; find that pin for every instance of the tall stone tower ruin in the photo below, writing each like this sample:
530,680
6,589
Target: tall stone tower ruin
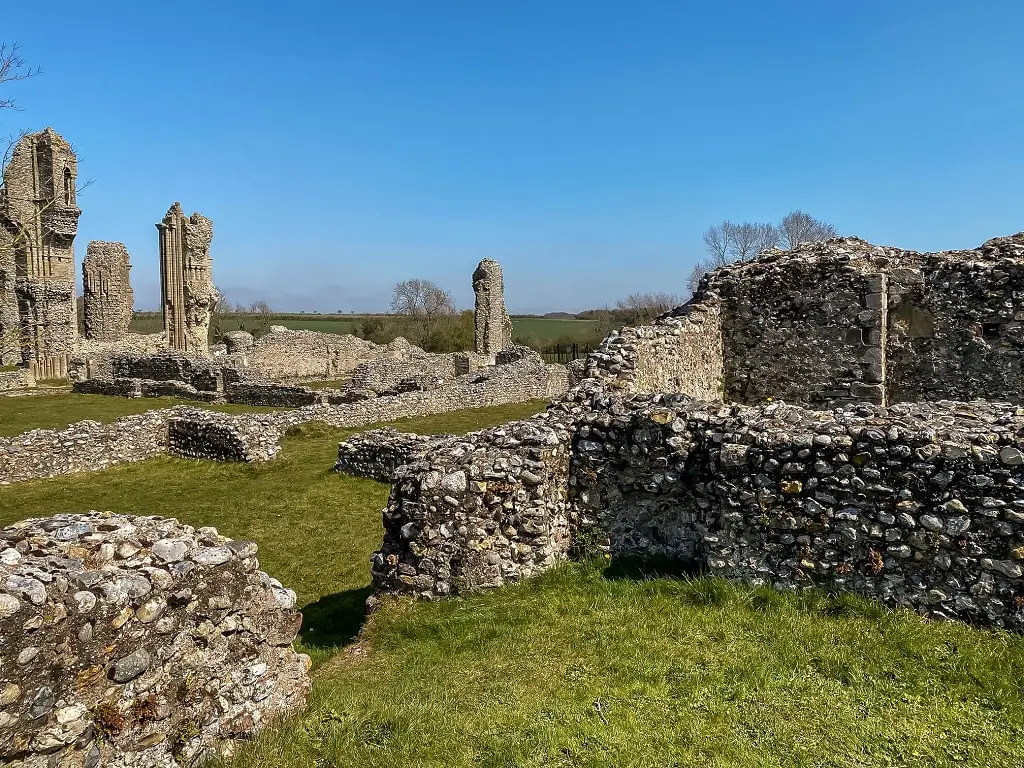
493,327
38,224
109,298
186,280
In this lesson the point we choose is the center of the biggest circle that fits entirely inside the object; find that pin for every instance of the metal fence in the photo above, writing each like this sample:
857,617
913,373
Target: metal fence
565,353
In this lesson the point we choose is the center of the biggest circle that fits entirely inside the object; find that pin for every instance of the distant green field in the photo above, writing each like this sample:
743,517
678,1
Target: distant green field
542,329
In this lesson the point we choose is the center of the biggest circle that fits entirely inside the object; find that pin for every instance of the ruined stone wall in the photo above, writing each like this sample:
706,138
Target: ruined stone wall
203,373
805,328
39,221
677,353
477,511
287,354
378,453
492,325
88,446
845,321
187,292
956,325
915,505
259,393
195,433
94,359
108,300
135,641
19,379
386,374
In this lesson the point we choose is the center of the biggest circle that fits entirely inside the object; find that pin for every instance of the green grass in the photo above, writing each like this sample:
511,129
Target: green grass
316,529
57,410
331,384
584,666
550,329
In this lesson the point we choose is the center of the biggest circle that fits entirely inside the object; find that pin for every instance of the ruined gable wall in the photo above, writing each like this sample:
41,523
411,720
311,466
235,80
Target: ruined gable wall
681,352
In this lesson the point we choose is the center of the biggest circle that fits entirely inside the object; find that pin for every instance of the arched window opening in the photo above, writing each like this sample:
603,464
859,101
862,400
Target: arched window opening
69,188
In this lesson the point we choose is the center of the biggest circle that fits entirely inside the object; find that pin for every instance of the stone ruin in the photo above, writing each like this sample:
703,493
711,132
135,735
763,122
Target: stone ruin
492,325
842,416
187,293
38,224
138,641
109,300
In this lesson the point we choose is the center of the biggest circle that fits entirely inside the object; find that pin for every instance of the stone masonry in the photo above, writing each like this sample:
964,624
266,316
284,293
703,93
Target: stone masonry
916,504
837,322
187,292
38,224
109,299
138,642
493,328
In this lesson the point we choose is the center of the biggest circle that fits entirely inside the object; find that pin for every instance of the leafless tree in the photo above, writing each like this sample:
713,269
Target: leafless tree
727,242
799,227
421,299
749,240
718,241
12,69
697,273
646,306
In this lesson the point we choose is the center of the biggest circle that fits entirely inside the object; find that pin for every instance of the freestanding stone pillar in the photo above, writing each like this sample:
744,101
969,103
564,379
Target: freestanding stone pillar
186,280
493,327
109,298
38,224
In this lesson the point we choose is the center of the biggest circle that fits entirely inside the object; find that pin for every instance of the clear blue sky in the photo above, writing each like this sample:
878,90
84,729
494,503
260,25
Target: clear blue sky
340,147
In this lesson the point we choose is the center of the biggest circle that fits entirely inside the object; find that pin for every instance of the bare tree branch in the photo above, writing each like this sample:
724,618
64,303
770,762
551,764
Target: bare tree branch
799,227
421,299
13,69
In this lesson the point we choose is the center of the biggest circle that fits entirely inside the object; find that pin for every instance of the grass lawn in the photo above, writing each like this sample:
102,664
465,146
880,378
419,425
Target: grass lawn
584,666
60,408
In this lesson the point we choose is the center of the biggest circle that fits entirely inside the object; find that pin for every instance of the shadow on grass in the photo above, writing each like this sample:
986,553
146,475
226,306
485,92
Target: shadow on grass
640,569
334,620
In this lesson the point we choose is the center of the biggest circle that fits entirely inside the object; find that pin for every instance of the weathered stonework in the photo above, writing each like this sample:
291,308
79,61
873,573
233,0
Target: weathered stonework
493,327
138,641
837,322
916,504
187,292
109,300
38,224
288,354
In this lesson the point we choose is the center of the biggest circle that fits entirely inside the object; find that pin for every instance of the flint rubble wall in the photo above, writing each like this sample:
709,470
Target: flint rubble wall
680,353
138,641
916,505
956,325
20,379
287,354
88,445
